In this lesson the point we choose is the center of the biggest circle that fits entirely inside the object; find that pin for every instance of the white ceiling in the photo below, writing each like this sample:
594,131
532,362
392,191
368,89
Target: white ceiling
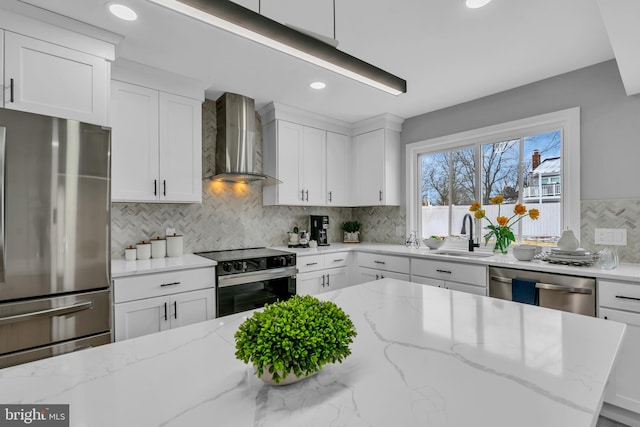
448,54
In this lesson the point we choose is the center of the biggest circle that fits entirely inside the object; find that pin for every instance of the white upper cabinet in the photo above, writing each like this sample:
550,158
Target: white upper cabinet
156,145
338,148
45,78
376,156
298,159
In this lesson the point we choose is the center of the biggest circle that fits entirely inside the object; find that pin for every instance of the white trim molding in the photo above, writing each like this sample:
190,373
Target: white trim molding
568,121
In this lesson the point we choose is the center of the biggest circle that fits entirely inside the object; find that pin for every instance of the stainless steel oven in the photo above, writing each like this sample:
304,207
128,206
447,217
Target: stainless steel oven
575,294
250,278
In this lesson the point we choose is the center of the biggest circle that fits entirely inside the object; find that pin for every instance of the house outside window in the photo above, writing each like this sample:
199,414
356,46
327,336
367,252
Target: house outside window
528,161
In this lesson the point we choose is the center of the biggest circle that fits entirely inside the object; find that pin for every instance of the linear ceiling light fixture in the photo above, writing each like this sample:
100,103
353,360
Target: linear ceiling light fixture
229,16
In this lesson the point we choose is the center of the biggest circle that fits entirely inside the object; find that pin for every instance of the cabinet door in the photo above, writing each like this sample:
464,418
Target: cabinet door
336,278
469,289
311,283
623,389
43,78
337,169
314,166
192,307
369,168
142,317
180,136
134,143
289,143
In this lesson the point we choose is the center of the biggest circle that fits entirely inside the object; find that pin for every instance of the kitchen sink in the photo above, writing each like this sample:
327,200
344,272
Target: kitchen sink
464,254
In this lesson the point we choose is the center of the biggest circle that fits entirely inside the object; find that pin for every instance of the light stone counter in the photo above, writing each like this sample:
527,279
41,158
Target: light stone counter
122,268
424,356
625,272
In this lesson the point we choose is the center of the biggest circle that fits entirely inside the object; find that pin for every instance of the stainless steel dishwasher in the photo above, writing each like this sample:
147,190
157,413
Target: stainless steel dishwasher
575,294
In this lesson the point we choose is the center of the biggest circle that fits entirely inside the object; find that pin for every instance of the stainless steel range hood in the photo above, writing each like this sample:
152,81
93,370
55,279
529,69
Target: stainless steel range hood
236,145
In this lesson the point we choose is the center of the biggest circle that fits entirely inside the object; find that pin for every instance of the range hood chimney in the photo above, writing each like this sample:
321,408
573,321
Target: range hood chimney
236,145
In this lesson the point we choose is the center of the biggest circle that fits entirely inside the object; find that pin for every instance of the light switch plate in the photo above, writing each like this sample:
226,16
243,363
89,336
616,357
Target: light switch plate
611,236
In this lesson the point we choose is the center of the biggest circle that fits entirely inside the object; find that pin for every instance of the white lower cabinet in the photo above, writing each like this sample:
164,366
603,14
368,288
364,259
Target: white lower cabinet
461,277
323,273
373,266
155,302
620,302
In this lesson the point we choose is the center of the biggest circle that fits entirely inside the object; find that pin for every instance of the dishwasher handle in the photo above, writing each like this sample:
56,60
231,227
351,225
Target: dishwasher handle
548,286
561,288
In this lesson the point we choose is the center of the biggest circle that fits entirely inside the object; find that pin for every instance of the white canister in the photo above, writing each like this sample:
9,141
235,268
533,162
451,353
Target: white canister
174,245
143,250
158,248
130,254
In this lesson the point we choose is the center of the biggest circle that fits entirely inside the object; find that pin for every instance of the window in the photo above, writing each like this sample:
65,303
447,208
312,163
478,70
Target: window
533,161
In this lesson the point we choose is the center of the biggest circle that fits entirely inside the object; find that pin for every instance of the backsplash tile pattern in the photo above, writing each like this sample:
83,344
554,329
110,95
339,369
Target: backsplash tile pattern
230,216
615,213
380,223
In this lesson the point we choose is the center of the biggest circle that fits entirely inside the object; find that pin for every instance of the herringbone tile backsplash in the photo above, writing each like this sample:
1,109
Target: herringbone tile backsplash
233,216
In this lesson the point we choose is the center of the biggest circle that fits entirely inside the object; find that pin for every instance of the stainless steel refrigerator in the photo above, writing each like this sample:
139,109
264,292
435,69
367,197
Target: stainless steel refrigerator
54,236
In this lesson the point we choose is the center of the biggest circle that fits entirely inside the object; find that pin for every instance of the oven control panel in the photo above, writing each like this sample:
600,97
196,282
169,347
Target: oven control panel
255,264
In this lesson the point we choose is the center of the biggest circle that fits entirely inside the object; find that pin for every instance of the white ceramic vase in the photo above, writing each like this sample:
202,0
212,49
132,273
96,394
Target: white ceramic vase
568,241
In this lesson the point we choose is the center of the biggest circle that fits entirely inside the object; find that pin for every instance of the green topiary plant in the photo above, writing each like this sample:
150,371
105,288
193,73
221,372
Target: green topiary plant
296,336
351,226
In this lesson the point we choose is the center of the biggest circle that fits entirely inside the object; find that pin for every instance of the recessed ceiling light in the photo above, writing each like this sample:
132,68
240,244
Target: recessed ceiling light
123,12
318,85
474,4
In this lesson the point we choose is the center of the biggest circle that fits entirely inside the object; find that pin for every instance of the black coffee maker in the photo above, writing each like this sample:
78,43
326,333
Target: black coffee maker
319,226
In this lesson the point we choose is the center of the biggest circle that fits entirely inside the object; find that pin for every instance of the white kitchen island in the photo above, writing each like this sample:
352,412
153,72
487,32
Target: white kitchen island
424,356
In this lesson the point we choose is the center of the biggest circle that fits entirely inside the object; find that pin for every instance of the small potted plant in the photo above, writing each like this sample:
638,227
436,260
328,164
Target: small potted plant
351,231
291,340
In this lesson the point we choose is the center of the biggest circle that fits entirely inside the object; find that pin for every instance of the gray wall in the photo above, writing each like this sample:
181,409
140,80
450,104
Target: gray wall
610,124
609,148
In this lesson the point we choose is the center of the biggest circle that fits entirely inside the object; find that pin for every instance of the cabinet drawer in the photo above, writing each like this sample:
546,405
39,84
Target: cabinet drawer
450,271
310,263
384,262
338,259
153,285
625,296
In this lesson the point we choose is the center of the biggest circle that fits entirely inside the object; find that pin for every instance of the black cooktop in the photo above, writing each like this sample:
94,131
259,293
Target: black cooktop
242,254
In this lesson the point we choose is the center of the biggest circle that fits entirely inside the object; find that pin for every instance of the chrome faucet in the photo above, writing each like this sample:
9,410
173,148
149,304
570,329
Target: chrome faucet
472,244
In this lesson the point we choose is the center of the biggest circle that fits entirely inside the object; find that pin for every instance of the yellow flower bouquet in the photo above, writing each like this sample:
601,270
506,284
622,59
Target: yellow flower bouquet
501,230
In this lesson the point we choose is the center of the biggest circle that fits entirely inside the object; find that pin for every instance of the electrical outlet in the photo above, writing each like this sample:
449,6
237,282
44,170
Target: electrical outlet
611,236
170,231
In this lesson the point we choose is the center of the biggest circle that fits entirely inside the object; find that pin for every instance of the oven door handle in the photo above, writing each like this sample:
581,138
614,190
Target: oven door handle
560,288
256,276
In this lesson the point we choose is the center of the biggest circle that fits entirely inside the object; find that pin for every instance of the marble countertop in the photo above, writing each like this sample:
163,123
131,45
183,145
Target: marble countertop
625,271
122,268
423,356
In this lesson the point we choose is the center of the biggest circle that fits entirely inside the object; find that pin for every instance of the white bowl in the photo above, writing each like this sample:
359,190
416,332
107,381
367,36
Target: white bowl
433,243
524,252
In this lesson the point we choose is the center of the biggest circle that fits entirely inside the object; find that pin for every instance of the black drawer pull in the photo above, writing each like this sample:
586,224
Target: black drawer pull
165,312
379,262
629,298
443,271
338,260
311,263
11,95
169,284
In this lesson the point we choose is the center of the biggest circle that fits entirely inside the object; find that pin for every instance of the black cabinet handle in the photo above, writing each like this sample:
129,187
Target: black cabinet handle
380,195
443,271
330,196
302,195
165,312
328,284
379,262
377,277
175,309
155,187
169,284
164,186
11,91
307,197
629,298
323,280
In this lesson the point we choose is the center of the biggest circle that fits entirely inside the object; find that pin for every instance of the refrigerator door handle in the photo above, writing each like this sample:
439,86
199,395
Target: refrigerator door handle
57,311
3,135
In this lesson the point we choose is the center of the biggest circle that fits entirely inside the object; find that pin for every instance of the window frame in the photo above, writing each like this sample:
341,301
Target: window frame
567,121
